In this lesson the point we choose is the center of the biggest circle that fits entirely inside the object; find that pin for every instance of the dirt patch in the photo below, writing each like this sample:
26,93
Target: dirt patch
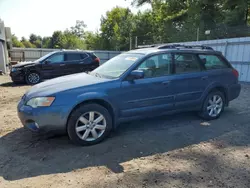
169,151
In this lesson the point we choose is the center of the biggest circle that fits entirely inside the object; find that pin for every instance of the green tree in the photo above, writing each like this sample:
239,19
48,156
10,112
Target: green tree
57,40
27,43
93,41
16,42
46,42
178,20
78,29
141,2
116,28
72,41
35,40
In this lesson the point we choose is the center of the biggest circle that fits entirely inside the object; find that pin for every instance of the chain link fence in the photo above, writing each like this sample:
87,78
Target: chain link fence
191,34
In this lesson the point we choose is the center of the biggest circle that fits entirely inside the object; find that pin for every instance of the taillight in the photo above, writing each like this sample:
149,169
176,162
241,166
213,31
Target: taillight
235,73
97,60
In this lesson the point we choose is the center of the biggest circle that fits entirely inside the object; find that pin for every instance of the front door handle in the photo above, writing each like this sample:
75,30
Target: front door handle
61,65
204,78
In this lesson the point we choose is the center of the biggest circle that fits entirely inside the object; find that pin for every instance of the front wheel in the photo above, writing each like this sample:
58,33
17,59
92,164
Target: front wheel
33,78
89,124
213,106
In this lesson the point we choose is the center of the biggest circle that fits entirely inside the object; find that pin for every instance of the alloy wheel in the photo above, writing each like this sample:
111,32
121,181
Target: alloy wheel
90,126
33,78
215,105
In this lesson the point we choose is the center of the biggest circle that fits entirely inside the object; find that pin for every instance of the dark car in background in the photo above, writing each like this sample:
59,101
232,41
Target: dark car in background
54,64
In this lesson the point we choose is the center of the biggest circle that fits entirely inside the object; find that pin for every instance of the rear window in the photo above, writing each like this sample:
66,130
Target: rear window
93,55
213,62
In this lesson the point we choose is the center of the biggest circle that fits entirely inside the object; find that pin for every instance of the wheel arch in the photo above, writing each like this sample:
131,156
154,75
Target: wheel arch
101,102
222,90
216,87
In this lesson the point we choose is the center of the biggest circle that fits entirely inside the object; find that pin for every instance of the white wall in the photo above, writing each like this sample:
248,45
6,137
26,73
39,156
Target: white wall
3,48
2,58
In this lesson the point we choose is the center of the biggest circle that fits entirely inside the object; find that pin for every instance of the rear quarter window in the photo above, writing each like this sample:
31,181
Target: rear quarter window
213,62
84,56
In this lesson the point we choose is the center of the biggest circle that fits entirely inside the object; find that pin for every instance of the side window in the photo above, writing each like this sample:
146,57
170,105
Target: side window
213,62
73,56
185,63
57,58
156,66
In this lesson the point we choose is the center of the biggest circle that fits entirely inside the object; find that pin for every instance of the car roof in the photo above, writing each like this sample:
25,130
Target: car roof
152,50
75,51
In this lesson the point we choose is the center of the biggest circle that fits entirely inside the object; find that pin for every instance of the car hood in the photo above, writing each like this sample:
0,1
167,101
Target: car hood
63,83
23,64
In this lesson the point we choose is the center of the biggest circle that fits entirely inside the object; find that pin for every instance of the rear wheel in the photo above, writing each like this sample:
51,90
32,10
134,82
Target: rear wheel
89,124
33,78
213,106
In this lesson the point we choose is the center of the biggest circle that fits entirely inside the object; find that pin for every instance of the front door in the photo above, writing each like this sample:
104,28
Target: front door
54,66
152,94
190,81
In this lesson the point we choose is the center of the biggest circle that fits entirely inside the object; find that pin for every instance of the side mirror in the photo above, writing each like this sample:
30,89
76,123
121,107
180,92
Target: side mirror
47,61
136,74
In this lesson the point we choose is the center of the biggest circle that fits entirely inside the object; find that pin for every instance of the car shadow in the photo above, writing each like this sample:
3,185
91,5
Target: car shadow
12,84
24,155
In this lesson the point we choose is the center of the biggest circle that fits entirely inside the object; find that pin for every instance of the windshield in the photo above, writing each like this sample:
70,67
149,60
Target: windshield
44,57
116,66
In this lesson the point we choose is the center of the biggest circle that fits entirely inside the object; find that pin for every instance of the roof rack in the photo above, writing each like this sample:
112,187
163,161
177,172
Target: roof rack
146,46
174,46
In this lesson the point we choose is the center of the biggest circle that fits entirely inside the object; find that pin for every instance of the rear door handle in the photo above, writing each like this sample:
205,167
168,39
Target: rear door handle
166,83
204,78
61,65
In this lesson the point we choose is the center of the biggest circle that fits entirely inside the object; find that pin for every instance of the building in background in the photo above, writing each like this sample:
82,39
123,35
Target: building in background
5,43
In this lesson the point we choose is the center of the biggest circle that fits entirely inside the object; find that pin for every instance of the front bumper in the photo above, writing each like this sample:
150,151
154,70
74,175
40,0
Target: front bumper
17,76
43,119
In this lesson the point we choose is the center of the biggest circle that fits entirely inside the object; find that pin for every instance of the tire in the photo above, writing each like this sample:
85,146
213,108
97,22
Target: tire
209,105
32,78
81,119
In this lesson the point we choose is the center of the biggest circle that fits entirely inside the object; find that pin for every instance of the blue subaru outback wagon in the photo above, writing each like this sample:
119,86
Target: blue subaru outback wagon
136,84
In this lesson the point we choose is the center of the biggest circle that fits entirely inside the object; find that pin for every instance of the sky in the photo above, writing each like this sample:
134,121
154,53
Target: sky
43,17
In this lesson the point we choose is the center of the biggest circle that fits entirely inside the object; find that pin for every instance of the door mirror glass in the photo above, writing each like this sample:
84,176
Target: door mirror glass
136,74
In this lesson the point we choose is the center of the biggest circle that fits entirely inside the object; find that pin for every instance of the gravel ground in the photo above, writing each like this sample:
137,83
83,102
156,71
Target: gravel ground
169,151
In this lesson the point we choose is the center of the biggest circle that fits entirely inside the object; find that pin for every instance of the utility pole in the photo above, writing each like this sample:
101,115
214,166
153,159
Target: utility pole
41,53
136,42
198,33
130,43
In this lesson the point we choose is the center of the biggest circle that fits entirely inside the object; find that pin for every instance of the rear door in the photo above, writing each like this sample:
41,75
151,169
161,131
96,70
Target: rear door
75,62
190,80
53,66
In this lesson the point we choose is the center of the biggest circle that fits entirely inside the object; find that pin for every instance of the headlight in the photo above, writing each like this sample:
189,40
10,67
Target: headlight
15,69
40,102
